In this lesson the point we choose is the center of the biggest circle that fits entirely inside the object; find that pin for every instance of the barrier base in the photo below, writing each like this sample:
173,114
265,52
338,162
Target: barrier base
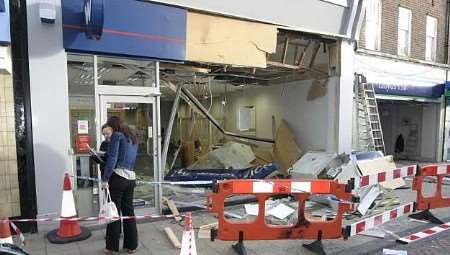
426,215
316,247
54,238
239,247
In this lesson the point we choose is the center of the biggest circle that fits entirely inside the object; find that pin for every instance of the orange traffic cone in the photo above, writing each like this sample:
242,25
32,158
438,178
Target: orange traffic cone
69,230
5,232
188,242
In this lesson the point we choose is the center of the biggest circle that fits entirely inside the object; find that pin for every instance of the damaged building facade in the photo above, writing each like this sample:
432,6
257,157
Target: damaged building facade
278,80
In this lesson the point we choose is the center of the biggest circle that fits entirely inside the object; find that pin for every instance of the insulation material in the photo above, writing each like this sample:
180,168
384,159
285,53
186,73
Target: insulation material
374,166
285,148
224,40
311,164
231,155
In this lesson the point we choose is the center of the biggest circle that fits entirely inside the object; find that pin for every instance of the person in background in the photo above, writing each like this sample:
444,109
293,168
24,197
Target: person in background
107,132
119,175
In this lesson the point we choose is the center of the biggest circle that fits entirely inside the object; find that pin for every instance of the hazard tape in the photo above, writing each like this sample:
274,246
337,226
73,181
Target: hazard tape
425,233
18,232
389,175
378,219
193,183
95,218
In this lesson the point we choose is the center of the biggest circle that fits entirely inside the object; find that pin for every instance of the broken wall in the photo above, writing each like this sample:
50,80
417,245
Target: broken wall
307,119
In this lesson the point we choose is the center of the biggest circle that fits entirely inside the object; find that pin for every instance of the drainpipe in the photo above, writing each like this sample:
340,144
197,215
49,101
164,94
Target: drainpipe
446,47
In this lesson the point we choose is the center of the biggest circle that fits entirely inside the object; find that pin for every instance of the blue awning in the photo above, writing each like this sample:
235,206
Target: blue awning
410,90
447,85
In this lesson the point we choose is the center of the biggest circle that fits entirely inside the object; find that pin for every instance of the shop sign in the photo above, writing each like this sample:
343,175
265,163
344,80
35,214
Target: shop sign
125,28
409,90
5,36
94,18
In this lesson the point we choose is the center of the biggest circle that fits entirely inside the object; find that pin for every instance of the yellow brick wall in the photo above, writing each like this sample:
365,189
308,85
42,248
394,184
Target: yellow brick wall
9,183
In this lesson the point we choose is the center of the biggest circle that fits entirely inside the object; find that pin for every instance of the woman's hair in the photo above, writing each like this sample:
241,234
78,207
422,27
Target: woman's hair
118,125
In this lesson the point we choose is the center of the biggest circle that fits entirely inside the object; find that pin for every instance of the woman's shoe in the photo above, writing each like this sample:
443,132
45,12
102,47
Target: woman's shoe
108,252
129,251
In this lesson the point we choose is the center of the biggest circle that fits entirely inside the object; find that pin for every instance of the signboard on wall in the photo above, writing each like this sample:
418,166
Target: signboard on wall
5,35
409,90
128,28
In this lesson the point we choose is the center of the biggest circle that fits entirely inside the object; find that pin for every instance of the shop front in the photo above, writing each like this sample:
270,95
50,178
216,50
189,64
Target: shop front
104,62
410,105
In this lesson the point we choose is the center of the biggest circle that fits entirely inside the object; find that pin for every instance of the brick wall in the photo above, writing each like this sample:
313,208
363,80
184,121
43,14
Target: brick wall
419,9
9,184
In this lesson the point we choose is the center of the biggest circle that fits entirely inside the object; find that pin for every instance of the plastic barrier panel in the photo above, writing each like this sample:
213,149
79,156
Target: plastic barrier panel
264,189
437,200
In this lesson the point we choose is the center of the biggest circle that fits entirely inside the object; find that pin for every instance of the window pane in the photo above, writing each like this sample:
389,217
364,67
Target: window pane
372,29
404,17
431,26
126,72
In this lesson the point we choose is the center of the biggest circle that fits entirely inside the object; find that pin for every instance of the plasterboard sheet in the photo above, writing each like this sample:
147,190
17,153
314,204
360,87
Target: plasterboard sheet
374,166
222,40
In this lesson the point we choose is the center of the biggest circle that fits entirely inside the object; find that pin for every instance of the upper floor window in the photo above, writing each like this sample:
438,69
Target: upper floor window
373,25
404,31
430,49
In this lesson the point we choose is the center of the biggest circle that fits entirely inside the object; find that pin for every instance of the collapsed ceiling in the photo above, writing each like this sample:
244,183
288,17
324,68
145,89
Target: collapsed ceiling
298,57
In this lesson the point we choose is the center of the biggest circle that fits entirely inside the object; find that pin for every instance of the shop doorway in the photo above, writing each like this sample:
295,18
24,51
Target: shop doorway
139,113
100,87
410,129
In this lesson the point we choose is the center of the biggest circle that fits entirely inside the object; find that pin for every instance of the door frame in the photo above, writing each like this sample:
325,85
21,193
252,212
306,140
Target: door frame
130,94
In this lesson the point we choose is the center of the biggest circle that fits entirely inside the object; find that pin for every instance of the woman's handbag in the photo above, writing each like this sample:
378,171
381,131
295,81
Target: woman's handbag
108,210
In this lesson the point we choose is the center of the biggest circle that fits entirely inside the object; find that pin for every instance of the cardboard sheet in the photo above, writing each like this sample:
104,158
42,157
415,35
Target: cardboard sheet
285,149
378,165
223,40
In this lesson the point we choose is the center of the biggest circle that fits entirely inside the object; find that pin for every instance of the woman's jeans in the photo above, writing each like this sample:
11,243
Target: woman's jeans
122,191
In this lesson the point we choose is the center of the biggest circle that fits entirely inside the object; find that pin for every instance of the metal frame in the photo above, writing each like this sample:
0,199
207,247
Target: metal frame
131,94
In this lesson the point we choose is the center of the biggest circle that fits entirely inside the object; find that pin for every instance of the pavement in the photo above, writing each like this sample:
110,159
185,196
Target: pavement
153,240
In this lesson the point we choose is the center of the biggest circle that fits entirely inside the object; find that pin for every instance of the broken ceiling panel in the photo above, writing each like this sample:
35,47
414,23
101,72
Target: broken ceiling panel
222,40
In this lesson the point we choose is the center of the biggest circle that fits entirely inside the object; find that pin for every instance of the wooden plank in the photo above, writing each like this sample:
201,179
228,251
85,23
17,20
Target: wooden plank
172,237
173,208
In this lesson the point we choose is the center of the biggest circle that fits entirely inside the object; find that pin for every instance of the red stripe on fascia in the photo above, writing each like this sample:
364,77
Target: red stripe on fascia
448,169
320,187
365,180
393,214
397,173
360,227
132,34
382,177
410,170
413,237
429,231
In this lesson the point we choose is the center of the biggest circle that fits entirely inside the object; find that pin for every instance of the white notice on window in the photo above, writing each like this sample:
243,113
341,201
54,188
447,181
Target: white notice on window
83,127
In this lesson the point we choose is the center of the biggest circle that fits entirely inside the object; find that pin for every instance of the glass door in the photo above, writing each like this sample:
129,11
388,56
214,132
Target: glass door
139,113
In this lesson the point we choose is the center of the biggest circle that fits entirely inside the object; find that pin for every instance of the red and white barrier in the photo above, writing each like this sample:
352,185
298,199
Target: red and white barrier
188,246
378,219
388,175
425,233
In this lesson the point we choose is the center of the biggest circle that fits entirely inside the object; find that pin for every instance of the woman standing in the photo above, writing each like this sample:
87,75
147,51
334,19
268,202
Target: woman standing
120,177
